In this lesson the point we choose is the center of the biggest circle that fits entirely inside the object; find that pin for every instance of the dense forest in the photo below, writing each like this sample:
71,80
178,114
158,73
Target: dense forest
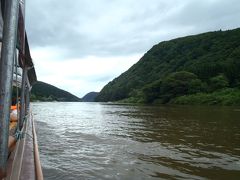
45,92
198,69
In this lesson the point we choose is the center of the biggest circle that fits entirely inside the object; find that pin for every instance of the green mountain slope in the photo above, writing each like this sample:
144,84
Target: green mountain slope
45,92
202,63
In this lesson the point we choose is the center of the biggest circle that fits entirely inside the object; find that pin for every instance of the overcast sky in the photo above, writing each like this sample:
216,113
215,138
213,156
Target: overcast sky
81,45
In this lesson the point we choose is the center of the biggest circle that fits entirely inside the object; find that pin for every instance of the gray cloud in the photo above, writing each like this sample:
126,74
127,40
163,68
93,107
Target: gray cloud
112,32
122,27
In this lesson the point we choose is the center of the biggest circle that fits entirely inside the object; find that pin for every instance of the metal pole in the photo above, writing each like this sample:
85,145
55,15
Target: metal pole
22,100
6,73
22,56
27,100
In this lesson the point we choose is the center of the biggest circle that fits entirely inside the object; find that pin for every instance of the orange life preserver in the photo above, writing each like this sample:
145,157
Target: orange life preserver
13,107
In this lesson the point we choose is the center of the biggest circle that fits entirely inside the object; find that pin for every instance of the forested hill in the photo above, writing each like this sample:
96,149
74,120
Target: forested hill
195,69
90,97
45,92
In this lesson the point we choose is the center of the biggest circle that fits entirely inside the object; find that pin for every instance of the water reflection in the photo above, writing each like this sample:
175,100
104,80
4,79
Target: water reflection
113,141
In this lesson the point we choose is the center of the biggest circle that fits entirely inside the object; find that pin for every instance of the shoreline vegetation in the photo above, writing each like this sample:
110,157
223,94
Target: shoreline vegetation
223,97
194,70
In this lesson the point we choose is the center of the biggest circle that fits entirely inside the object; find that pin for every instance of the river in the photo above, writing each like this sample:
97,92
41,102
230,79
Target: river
116,141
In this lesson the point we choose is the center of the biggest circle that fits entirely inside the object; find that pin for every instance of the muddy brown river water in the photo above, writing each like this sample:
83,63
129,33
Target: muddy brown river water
116,141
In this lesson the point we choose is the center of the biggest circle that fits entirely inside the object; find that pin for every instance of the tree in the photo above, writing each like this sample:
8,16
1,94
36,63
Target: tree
180,83
218,82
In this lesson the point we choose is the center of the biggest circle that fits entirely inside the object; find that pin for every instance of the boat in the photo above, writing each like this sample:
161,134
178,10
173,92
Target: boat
19,156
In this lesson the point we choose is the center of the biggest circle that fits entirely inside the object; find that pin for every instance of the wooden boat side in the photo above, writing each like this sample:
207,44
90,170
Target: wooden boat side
24,162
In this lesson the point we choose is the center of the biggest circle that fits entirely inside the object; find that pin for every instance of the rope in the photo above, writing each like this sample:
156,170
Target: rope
18,135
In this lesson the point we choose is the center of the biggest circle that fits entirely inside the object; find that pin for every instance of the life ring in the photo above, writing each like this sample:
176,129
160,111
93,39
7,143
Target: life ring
13,107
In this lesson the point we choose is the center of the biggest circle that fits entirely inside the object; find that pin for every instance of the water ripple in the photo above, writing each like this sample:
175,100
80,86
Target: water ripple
112,141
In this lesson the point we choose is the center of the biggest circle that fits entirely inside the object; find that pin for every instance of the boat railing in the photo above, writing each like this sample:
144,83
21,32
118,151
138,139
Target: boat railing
16,68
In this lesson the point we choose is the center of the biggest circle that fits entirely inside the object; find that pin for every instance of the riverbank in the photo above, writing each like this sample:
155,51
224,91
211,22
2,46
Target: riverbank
223,97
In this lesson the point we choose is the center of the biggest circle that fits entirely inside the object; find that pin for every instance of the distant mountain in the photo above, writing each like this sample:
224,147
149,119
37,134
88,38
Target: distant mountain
90,97
186,70
45,92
